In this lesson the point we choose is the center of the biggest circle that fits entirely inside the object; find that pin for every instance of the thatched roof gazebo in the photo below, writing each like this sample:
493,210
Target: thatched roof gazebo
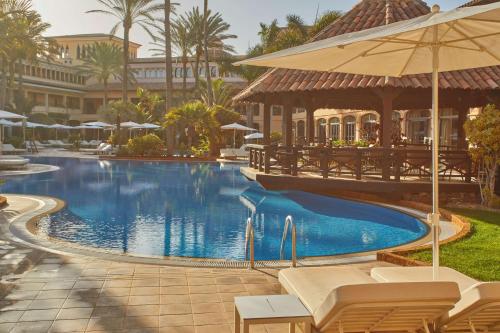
312,90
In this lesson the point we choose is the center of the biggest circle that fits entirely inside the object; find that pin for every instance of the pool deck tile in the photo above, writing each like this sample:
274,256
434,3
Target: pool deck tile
58,293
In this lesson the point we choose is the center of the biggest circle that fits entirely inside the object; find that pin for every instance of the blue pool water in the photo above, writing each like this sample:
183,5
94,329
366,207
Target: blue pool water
200,210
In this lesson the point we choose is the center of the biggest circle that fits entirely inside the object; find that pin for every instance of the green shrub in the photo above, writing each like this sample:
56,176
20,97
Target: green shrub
338,143
147,145
275,137
362,143
203,149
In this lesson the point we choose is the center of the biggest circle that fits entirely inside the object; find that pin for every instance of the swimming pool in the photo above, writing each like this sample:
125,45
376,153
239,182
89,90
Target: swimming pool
200,210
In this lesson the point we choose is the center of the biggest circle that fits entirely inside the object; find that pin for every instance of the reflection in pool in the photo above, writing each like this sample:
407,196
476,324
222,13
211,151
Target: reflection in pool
200,210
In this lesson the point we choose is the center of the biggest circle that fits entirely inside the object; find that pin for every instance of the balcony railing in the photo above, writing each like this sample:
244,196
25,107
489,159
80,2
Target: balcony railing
359,163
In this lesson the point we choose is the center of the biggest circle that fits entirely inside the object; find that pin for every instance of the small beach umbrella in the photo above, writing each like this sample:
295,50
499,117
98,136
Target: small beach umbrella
437,42
130,125
4,123
254,136
57,127
99,124
11,115
237,127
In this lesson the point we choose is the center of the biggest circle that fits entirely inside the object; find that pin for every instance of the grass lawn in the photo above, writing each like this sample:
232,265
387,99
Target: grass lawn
477,255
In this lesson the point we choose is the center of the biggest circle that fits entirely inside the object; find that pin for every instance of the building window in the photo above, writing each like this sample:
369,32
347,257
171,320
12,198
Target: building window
322,130
73,103
418,125
56,101
91,105
256,110
448,127
301,129
369,126
349,129
276,110
213,71
36,98
334,128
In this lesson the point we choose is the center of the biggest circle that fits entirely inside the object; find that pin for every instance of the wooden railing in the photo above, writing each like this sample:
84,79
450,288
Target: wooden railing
388,164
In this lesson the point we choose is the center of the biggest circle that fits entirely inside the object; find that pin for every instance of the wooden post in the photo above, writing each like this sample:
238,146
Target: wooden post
267,123
287,122
310,124
386,121
463,111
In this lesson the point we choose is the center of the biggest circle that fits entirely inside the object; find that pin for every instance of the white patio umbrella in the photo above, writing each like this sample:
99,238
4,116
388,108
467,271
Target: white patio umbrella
11,115
254,136
437,42
130,125
237,127
4,123
99,124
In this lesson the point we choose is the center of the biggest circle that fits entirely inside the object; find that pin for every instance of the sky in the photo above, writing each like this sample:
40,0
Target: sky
244,16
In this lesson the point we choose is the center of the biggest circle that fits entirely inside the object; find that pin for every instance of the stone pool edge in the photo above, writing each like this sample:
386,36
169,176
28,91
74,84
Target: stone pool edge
23,229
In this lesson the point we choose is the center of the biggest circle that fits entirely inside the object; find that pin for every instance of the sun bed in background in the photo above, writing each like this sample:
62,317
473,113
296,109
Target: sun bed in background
347,300
13,162
9,149
477,311
231,153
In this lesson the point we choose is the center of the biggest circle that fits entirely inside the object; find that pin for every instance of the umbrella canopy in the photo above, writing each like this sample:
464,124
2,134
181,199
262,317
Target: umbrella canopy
85,126
440,41
5,122
98,124
29,125
150,126
237,127
130,124
59,126
254,136
10,115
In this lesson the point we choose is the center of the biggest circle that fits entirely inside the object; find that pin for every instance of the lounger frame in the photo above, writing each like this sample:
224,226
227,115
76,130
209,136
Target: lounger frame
484,318
386,317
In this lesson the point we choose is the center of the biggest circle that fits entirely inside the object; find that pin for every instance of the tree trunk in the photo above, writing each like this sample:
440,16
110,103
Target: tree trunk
10,84
168,74
184,76
3,82
105,84
168,58
205,51
196,70
126,42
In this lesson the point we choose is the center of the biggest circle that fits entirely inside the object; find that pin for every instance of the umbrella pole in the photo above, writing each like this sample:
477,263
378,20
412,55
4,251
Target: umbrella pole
434,216
234,139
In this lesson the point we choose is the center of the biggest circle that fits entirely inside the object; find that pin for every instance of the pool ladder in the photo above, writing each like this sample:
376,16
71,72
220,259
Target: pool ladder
249,243
288,223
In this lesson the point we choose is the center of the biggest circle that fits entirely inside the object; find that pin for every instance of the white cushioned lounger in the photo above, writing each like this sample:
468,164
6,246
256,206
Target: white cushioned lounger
479,308
343,300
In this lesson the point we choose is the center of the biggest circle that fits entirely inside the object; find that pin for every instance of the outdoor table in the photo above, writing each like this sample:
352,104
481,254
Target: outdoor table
273,309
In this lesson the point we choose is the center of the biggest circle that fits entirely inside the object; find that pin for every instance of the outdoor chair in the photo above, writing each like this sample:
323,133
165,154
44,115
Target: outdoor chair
233,153
479,307
348,300
11,150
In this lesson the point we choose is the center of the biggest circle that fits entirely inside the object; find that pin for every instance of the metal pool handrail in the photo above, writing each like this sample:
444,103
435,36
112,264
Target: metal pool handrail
249,238
289,221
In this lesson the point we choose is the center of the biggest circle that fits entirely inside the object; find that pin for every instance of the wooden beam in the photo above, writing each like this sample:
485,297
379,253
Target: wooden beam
267,123
287,124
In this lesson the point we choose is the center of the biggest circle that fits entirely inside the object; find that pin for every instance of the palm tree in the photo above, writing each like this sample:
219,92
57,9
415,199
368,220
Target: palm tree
128,13
168,55
324,21
208,74
183,43
103,62
23,30
216,35
221,93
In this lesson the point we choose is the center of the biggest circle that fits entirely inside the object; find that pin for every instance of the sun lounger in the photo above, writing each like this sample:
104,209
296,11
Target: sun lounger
11,150
347,300
477,311
13,162
234,153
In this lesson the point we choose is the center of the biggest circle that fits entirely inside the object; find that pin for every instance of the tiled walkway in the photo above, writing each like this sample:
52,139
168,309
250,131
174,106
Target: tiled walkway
44,292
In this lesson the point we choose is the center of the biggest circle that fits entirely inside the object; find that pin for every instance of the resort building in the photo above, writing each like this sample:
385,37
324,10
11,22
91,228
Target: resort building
320,107
58,89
